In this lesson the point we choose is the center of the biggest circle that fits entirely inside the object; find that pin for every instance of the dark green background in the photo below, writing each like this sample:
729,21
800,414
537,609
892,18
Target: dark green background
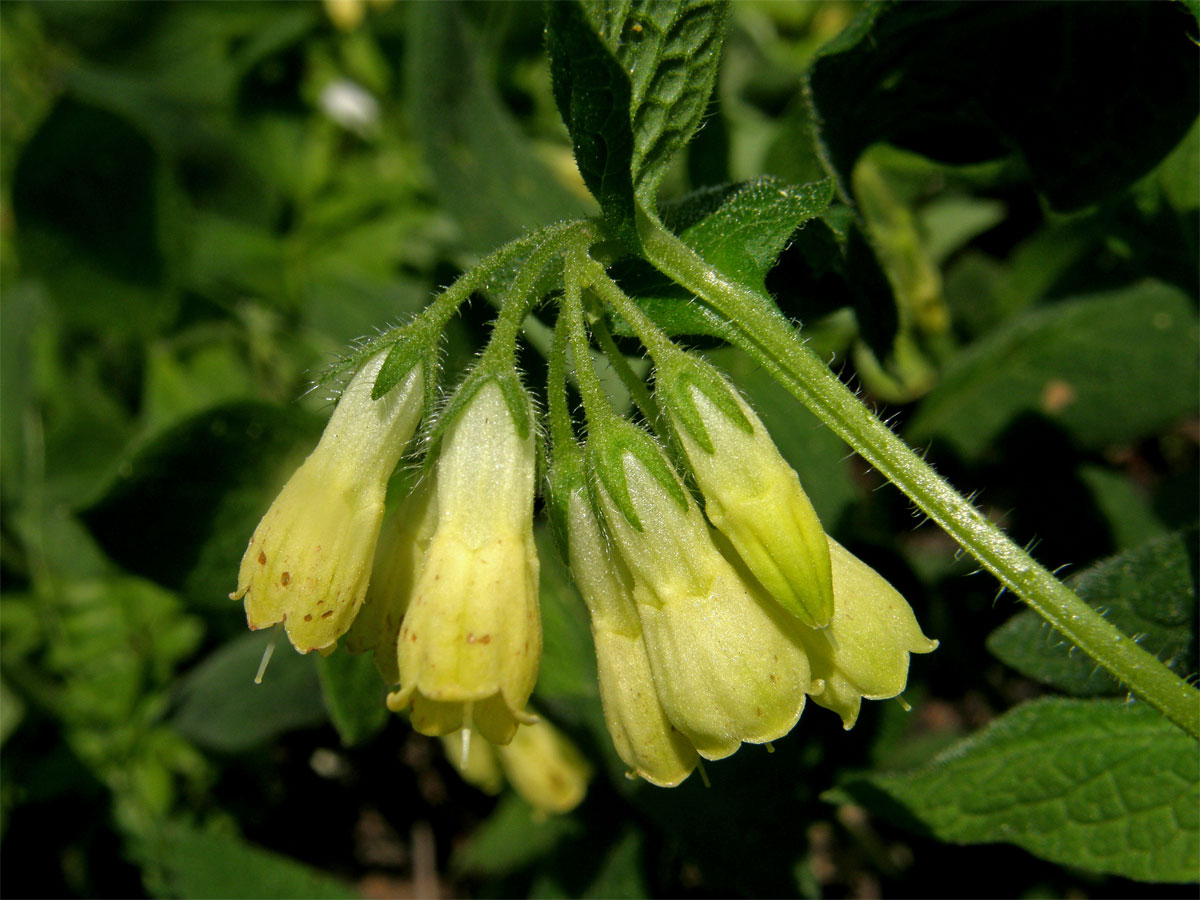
188,239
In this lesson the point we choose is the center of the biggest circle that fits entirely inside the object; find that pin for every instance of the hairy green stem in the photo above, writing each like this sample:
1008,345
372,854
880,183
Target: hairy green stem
596,405
761,330
523,293
561,431
635,385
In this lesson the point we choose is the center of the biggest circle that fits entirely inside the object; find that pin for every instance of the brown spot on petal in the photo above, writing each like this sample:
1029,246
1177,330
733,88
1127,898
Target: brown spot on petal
285,579
758,712
774,680
308,618
484,639
327,614
262,558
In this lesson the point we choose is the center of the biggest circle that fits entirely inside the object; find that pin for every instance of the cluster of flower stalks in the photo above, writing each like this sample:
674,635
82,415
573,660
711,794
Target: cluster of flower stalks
718,604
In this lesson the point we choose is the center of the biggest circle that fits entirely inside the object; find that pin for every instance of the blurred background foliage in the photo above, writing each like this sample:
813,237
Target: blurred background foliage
204,203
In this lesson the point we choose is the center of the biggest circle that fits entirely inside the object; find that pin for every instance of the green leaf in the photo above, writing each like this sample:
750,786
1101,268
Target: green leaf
92,200
1125,507
354,695
511,838
487,172
1179,173
621,873
738,229
1100,785
585,868
186,376
220,706
22,315
744,236
938,79
1149,593
197,864
671,50
185,505
632,81
593,96
1106,368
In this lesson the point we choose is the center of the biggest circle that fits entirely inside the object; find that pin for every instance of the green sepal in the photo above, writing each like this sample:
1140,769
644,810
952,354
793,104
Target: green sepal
405,354
412,344
607,447
518,402
408,352
515,398
674,380
351,362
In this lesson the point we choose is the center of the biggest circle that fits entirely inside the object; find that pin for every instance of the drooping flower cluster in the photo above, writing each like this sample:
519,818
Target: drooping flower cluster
718,604
712,632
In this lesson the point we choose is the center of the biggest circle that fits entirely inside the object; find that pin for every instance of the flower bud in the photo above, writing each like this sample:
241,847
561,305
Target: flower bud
309,559
873,630
545,768
751,494
399,554
728,666
641,732
471,639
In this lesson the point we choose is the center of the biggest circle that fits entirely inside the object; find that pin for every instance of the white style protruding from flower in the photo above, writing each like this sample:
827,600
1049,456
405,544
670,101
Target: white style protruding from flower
873,631
641,731
475,760
541,763
471,639
728,666
754,498
309,560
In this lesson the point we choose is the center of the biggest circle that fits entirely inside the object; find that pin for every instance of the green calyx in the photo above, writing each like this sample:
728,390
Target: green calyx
610,442
677,376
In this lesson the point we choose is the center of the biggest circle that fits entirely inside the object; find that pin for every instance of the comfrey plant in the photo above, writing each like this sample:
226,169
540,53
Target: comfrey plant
718,603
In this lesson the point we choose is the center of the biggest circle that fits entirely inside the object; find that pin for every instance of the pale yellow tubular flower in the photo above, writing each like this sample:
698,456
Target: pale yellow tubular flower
471,639
481,768
345,14
399,554
754,498
545,768
873,631
641,732
728,665
309,560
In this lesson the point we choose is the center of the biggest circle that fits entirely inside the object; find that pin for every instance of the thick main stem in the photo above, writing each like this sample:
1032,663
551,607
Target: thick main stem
767,336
